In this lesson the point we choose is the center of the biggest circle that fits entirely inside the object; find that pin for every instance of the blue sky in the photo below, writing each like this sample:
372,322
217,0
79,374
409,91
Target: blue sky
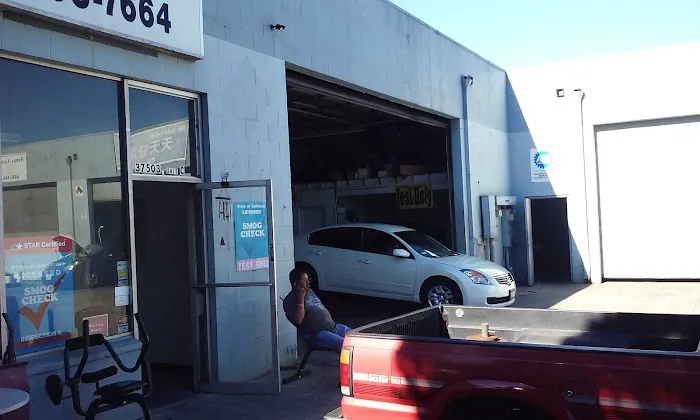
514,33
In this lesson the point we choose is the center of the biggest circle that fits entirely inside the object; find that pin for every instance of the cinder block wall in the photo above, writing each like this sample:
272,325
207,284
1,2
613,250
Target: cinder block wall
248,135
373,45
249,139
368,44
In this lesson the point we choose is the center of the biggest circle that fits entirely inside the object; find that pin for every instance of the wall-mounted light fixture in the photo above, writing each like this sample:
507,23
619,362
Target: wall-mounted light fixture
560,93
278,27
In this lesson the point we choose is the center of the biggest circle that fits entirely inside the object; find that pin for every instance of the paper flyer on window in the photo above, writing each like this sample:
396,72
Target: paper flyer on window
39,283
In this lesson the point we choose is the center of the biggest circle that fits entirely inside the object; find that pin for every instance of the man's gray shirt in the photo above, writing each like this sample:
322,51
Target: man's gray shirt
316,316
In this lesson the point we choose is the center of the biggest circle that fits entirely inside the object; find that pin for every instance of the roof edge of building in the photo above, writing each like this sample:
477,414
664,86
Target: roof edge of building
620,54
460,45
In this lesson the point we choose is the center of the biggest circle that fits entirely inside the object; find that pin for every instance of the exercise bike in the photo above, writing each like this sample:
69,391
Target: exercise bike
110,396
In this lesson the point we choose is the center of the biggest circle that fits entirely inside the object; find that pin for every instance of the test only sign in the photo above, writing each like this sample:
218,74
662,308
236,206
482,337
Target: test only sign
252,242
39,284
540,161
173,25
414,197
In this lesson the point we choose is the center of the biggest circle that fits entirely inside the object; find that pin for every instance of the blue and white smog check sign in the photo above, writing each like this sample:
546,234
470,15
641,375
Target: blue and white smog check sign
252,242
174,25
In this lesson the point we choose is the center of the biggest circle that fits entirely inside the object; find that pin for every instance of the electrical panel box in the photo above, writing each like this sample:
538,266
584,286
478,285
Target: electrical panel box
505,200
489,216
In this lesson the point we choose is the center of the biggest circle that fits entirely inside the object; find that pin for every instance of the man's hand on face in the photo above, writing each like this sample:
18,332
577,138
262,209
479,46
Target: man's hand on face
300,292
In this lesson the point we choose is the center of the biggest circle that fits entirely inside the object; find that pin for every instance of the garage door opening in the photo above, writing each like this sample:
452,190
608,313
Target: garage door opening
551,244
356,158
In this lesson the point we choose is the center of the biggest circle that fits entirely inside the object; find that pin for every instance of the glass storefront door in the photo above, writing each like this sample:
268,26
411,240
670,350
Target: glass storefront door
234,296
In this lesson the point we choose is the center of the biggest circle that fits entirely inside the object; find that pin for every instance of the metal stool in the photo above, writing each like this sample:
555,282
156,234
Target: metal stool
302,372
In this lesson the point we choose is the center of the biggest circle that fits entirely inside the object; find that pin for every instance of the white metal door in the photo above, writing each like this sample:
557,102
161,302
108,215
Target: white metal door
647,176
234,290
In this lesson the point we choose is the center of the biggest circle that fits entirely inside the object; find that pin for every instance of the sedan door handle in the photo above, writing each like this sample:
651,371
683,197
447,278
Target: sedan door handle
363,261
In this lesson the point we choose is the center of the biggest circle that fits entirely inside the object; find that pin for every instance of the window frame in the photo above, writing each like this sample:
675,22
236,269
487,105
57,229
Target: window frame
337,228
126,176
381,232
196,155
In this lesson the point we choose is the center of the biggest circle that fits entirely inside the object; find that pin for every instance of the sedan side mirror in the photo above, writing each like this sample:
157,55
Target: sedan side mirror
401,253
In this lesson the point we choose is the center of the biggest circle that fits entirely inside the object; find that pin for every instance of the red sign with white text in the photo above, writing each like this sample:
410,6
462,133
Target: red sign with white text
98,324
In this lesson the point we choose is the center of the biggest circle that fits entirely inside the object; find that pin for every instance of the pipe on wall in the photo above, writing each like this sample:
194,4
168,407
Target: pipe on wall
468,81
587,269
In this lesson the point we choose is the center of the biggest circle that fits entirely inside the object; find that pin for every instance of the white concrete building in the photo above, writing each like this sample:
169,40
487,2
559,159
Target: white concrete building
247,122
620,130
350,101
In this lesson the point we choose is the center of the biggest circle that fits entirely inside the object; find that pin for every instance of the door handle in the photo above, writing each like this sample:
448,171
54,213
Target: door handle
316,252
363,261
199,303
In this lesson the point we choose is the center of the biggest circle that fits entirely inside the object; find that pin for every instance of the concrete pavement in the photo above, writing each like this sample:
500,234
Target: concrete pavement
310,398
314,396
645,297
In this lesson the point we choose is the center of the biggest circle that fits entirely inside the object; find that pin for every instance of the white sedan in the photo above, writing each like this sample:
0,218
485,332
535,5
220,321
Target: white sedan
400,263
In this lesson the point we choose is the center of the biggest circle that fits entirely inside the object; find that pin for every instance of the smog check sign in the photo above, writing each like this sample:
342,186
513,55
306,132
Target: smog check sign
39,285
252,242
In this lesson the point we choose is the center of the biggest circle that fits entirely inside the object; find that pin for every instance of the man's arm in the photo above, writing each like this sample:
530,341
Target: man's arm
296,314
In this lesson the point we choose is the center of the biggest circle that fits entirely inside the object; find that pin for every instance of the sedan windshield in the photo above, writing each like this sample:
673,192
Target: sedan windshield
424,244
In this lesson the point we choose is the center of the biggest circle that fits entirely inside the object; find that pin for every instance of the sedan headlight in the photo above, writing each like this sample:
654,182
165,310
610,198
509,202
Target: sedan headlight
475,276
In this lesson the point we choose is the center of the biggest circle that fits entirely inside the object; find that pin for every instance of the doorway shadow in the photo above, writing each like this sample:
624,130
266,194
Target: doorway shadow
551,240
163,273
172,384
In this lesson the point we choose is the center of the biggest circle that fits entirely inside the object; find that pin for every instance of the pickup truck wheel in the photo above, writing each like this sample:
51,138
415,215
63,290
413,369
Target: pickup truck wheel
440,291
493,408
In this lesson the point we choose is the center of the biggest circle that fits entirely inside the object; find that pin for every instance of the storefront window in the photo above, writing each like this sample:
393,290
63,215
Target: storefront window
162,133
65,221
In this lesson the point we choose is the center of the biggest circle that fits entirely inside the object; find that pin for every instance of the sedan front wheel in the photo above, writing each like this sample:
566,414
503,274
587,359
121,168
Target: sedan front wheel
441,292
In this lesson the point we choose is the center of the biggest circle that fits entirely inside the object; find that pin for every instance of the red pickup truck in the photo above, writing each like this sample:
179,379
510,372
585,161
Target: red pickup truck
446,363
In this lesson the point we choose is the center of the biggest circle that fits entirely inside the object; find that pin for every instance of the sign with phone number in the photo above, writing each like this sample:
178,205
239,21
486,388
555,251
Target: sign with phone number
174,25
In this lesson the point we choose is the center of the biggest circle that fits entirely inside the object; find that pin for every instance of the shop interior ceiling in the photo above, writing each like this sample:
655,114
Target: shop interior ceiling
336,131
313,115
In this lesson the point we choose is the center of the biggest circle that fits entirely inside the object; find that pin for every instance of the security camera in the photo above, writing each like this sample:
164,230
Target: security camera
278,27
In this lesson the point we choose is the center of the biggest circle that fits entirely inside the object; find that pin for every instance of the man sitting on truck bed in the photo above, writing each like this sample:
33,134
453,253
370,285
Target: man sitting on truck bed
306,312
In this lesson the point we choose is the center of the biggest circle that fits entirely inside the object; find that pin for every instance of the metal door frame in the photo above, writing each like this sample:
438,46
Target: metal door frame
203,292
528,242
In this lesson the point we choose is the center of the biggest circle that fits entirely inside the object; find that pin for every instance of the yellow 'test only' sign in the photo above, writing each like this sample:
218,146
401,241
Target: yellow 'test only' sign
414,197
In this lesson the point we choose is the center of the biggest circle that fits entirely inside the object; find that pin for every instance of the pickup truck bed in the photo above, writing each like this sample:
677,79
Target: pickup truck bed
549,364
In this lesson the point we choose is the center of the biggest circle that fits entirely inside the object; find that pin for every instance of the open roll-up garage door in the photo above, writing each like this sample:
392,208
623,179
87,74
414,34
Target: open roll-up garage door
359,100
648,179
357,157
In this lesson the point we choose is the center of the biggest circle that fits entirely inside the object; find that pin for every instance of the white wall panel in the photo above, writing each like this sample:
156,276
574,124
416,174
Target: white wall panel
648,179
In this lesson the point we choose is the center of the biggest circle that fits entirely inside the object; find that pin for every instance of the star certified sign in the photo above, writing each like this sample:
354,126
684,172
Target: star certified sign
173,25
540,162
542,159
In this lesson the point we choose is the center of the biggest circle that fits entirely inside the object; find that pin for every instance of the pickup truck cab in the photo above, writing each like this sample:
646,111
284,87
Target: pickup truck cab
444,362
